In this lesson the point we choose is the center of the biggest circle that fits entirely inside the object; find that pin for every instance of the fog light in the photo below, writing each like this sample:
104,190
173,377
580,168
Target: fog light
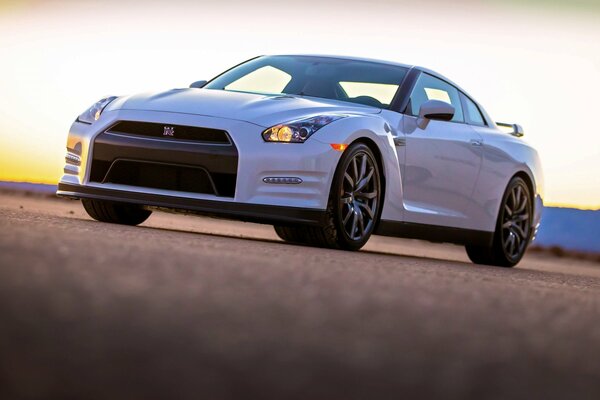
282,180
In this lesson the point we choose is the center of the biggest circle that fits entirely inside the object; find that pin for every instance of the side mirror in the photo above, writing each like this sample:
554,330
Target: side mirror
434,109
198,84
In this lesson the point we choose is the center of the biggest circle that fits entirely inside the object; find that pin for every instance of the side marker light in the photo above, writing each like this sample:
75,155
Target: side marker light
339,146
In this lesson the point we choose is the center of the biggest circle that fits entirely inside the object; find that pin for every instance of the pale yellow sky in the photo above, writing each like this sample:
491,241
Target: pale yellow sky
537,66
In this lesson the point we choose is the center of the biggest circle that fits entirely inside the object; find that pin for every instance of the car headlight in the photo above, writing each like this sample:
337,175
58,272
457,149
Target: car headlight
299,130
93,113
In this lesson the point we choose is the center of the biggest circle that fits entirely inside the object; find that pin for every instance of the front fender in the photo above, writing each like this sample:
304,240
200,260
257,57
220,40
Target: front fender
375,129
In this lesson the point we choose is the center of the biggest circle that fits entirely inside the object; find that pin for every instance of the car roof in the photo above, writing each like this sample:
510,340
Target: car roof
349,58
409,66
377,61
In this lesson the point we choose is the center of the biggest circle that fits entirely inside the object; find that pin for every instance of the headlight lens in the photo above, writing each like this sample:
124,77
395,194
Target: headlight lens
93,113
298,131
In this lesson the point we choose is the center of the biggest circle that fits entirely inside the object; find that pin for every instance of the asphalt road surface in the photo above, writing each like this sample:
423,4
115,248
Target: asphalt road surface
188,307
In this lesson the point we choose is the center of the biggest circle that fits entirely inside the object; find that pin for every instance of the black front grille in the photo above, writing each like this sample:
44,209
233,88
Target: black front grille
169,165
171,132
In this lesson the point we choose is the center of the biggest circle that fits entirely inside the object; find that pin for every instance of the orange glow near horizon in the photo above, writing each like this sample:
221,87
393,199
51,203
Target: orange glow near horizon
58,57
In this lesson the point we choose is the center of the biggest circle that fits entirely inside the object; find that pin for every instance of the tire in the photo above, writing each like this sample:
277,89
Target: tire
116,213
513,229
353,207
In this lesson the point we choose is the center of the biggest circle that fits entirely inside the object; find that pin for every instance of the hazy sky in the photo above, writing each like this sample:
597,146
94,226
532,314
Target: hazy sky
538,65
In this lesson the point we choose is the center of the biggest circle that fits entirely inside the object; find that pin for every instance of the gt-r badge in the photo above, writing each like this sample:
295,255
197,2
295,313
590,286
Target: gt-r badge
169,131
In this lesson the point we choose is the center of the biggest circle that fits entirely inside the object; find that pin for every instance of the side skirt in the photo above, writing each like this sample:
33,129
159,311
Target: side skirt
433,233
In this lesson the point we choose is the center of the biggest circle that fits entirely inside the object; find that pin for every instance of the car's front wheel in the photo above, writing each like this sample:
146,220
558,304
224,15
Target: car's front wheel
513,229
353,207
116,213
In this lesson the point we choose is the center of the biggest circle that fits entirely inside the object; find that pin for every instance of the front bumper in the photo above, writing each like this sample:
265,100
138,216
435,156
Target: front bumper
255,198
231,210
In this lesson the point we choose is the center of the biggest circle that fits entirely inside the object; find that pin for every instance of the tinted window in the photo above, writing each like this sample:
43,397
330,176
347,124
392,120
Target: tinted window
431,88
382,92
473,114
363,82
263,80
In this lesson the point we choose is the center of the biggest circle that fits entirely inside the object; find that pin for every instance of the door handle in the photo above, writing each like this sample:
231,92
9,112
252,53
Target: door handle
476,142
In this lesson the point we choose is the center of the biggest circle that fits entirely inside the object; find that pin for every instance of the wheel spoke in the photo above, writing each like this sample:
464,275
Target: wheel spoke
365,181
349,179
508,210
522,217
354,223
348,215
363,167
363,195
355,169
512,244
361,224
515,200
517,197
368,210
522,206
507,242
346,200
518,231
518,241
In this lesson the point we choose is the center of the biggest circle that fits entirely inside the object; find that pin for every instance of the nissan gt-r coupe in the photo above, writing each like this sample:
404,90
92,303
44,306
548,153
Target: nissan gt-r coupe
329,150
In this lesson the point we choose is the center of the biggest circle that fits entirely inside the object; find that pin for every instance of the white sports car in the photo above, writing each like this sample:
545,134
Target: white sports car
330,150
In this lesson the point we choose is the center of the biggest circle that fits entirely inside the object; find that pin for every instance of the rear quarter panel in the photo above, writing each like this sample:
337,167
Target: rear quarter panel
504,156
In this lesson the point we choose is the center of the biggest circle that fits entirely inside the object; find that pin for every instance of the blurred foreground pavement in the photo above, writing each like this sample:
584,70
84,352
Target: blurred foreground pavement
186,307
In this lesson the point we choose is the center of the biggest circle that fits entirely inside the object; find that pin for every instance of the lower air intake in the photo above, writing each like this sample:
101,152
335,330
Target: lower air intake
170,177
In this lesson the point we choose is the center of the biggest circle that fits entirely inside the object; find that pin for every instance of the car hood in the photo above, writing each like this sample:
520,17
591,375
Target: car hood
259,109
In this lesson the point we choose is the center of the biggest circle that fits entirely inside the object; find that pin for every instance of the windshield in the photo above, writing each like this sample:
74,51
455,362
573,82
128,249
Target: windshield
363,82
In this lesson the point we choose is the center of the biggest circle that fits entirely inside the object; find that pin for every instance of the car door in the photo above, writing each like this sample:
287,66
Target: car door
442,161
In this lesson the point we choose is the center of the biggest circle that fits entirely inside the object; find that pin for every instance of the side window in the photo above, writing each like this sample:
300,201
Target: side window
473,115
431,88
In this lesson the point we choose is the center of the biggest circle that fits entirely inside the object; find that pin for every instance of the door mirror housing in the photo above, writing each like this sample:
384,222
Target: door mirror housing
434,109
198,84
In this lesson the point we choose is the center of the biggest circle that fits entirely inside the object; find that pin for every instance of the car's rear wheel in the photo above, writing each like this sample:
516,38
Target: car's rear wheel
116,213
353,207
513,229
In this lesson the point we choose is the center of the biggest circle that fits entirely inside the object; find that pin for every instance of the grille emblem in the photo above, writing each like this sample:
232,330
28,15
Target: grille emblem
169,131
